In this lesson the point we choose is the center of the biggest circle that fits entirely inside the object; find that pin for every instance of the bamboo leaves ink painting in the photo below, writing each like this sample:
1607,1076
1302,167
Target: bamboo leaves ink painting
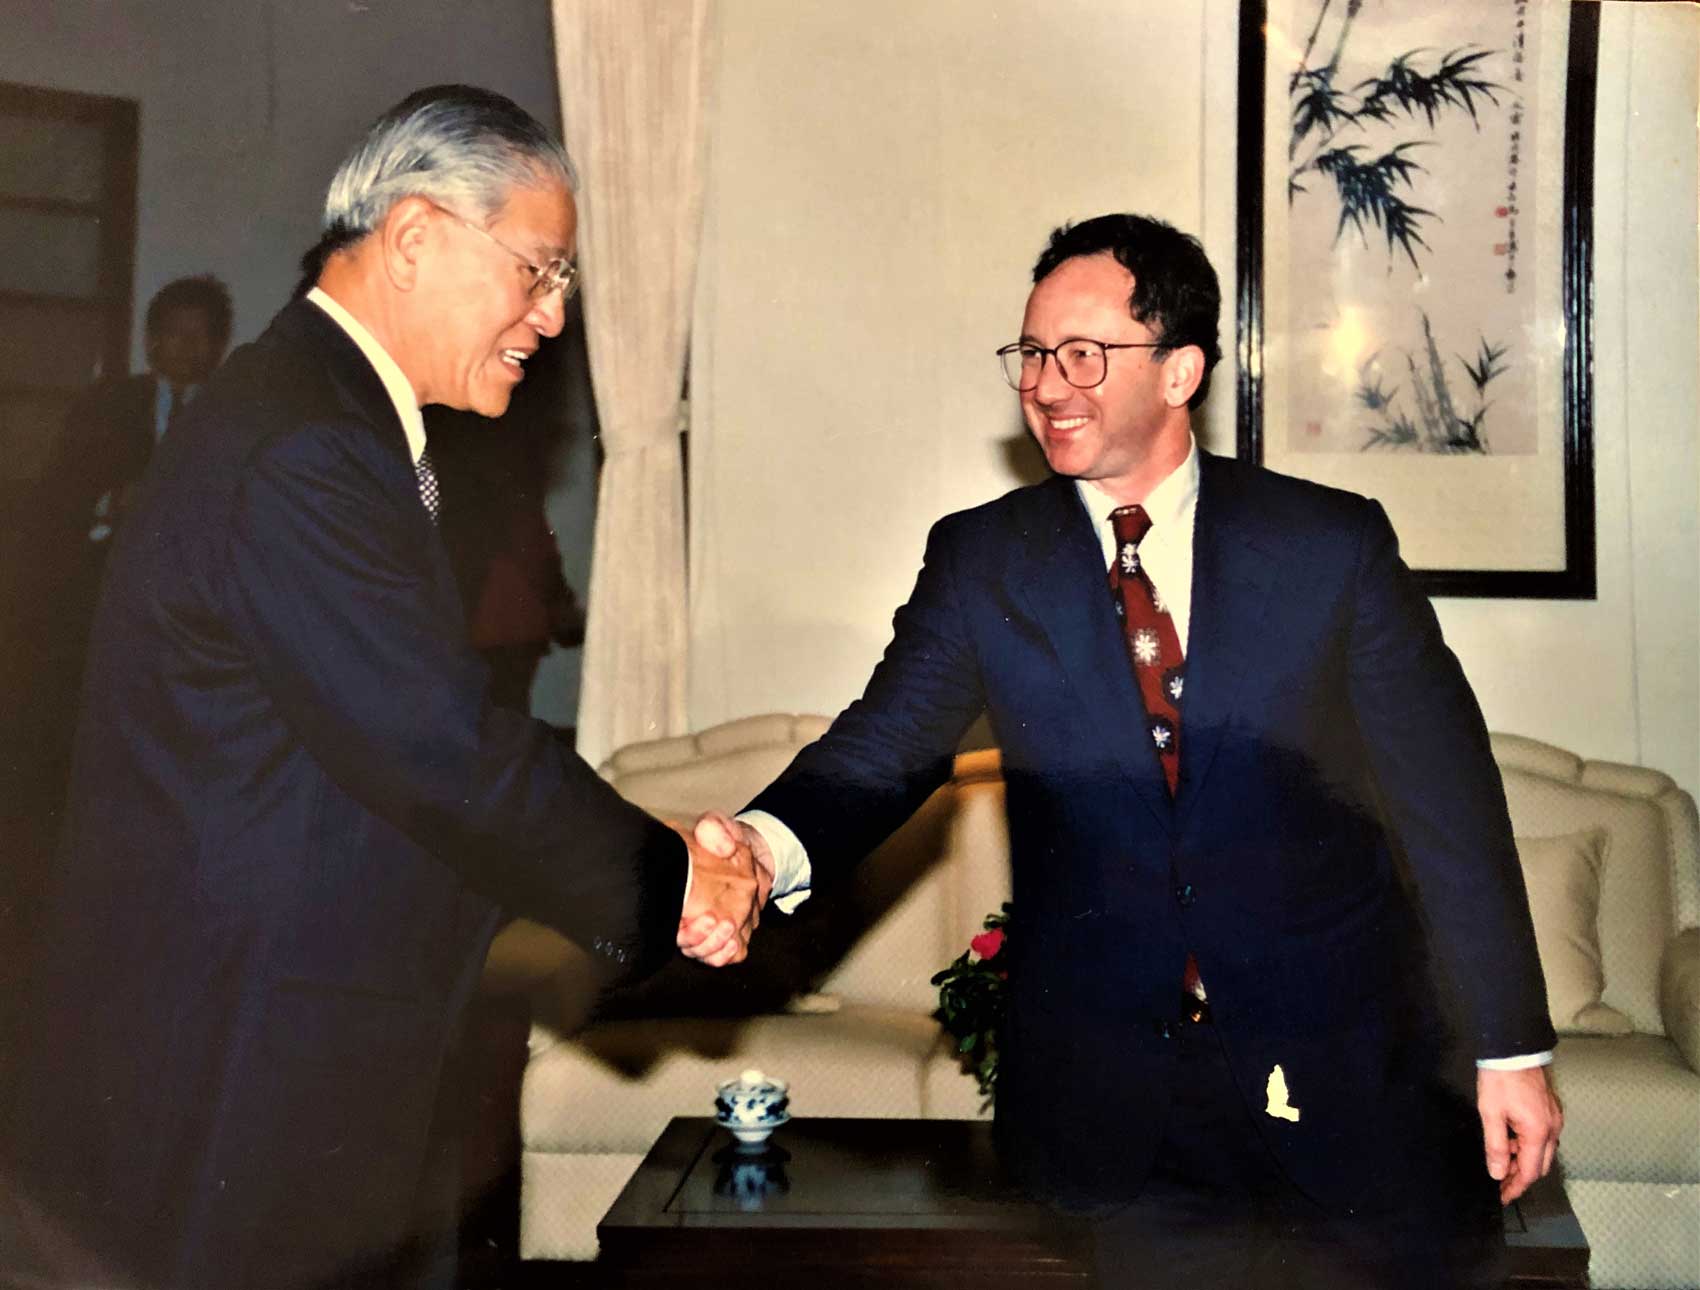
1415,185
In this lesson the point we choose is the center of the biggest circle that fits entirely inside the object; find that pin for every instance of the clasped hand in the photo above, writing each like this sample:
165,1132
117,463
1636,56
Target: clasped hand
731,875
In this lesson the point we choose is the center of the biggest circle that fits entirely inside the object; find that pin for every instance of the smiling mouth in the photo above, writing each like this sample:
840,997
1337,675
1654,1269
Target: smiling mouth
514,360
1065,424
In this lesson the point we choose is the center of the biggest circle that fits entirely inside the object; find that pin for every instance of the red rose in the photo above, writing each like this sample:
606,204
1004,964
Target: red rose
987,944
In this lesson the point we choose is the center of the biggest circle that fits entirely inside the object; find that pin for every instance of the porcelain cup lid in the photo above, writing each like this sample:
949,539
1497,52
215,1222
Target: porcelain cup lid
754,1083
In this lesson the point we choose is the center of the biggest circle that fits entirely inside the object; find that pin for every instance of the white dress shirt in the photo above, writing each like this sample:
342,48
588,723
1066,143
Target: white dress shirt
1165,553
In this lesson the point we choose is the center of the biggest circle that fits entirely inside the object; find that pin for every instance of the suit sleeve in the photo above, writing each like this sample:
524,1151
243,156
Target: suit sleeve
1442,791
887,752
342,599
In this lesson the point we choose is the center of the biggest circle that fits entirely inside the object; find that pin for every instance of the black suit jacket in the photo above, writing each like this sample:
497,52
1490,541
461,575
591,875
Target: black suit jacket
294,817
1336,790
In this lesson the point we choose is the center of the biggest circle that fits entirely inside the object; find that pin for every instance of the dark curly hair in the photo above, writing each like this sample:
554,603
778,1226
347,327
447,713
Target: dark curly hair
1174,288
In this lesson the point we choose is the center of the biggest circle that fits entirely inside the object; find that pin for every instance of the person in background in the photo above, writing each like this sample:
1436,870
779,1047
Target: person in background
63,534
494,479
111,431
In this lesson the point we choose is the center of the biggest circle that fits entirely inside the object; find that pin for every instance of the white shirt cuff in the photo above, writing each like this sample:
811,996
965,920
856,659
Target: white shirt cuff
792,873
1520,1063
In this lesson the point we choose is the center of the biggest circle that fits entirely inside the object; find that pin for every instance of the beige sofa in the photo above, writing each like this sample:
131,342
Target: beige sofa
856,1038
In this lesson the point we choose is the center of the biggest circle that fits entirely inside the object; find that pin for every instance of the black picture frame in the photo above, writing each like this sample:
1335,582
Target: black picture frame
1576,580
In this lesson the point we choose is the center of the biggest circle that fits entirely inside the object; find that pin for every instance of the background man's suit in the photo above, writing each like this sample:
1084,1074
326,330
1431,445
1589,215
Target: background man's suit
50,576
294,817
109,436
1329,744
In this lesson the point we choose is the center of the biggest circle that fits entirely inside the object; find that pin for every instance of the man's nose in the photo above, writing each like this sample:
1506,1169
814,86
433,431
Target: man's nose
1051,387
548,314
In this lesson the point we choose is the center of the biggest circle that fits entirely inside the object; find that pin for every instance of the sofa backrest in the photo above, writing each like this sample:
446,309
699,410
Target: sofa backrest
720,768
1650,866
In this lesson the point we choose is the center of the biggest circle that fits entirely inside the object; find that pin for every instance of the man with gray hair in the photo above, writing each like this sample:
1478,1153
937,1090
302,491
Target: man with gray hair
296,818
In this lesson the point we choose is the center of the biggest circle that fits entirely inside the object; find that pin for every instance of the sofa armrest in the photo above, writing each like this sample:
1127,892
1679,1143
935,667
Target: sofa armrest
1679,994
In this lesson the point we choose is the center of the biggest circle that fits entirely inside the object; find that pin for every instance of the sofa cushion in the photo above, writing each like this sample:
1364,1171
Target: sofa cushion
1631,1109
562,1199
1562,875
614,1087
1649,885
1642,1236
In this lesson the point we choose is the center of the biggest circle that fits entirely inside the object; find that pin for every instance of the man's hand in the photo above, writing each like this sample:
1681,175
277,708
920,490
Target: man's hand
1521,1101
731,875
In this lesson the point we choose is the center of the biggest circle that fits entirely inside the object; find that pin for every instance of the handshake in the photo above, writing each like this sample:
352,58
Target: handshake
731,876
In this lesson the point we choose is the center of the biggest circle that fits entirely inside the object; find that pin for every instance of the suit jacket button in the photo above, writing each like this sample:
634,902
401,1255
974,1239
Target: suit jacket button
1185,894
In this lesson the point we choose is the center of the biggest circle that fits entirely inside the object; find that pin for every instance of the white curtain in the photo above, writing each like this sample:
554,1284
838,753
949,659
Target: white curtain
634,91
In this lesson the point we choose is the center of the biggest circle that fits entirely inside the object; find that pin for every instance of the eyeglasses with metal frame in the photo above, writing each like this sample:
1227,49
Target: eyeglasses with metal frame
1083,363
560,274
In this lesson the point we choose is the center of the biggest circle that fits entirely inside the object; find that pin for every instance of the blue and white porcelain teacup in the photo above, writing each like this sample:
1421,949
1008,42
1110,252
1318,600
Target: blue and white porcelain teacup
752,1106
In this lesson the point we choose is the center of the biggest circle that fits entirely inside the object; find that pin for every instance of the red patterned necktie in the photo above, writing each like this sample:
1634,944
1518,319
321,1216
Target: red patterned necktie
1153,646
1154,649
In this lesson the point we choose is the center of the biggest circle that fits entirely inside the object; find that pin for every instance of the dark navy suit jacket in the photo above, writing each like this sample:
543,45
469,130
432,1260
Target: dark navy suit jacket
294,818
1337,793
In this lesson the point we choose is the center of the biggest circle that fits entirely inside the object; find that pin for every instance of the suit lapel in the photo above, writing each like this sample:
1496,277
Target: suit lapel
357,383
361,392
1233,572
1057,586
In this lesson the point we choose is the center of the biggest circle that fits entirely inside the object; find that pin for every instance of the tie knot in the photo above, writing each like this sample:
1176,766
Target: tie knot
1130,524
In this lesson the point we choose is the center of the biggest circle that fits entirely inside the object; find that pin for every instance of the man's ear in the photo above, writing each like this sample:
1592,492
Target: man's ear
1183,369
402,238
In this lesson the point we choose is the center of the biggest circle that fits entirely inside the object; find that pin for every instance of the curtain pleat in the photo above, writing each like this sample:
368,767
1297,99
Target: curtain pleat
634,82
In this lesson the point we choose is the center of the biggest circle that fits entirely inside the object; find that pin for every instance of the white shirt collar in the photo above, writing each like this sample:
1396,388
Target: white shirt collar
1167,504
396,384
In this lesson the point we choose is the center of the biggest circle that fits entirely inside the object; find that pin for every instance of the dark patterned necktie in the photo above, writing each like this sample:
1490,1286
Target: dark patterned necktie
1154,649
428,492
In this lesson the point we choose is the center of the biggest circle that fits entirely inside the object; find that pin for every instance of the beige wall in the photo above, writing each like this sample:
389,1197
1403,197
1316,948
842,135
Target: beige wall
882,175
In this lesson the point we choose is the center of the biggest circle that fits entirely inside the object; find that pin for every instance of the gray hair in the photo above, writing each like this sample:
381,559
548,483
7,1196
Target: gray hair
462,147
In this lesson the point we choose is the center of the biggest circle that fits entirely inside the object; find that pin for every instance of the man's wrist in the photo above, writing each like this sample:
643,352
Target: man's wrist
791,869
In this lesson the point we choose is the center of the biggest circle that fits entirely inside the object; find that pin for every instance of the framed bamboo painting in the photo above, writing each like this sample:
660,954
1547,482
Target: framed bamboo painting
1415,274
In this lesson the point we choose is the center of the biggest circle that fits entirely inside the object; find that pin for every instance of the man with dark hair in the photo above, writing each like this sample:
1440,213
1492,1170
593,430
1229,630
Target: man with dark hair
1243,772
110,432
296,817
186,356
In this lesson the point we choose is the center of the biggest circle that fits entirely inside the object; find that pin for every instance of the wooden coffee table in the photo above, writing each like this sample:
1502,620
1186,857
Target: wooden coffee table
897,1204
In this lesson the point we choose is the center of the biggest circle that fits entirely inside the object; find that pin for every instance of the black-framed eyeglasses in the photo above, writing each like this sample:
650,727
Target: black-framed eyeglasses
1083,363
560,274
